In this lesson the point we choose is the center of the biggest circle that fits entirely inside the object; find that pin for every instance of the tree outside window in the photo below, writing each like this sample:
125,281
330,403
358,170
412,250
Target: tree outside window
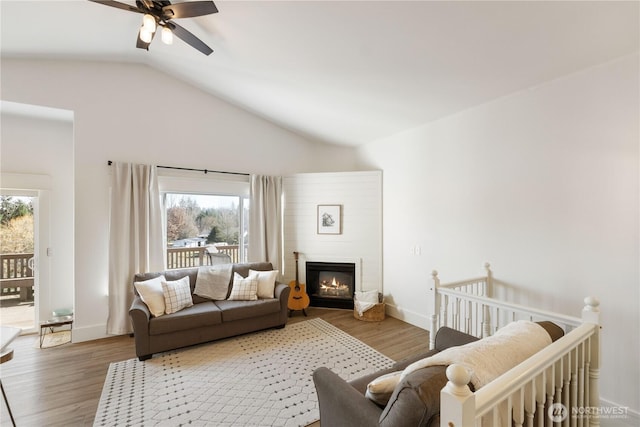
206,220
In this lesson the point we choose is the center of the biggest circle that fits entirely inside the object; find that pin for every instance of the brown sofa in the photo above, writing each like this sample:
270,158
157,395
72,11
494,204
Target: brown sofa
415,400
206,320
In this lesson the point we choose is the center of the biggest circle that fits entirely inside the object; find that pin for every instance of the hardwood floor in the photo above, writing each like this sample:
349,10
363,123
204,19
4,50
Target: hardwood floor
61,386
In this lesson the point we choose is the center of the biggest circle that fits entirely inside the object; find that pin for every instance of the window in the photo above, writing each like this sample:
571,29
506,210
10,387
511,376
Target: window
204,229
206,217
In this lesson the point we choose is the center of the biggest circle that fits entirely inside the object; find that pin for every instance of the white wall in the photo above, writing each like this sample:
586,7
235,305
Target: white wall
133,113
544,184
37,154
360,194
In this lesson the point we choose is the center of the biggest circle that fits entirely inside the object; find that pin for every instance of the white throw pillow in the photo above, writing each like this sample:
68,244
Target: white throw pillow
266,282
150,292
381,389
177,295
244,289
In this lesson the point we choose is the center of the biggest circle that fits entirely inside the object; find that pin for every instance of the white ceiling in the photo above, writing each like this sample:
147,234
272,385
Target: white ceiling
345,72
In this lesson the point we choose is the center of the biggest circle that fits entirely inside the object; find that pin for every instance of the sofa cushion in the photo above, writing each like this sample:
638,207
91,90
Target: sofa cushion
416,399
237,310
555,332
198,315
447,337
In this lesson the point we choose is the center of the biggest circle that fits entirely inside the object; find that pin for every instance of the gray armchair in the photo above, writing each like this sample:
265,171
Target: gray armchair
415,402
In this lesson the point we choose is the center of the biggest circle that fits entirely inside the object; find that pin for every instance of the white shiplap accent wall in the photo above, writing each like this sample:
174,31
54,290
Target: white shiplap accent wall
360,194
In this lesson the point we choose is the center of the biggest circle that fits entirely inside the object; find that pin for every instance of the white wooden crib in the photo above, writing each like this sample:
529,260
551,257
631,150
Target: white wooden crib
557,386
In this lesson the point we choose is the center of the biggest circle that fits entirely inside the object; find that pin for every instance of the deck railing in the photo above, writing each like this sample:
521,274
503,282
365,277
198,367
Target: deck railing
16,277
197,256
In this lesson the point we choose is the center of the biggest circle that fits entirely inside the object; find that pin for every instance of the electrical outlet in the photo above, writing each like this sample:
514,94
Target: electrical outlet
49,251
415,250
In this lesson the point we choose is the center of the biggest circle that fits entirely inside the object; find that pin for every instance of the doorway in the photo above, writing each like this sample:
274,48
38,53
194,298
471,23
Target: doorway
18,256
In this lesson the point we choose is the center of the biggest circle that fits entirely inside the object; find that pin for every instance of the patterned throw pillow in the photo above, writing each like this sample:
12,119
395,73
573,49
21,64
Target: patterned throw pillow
150,292
244,289
177,295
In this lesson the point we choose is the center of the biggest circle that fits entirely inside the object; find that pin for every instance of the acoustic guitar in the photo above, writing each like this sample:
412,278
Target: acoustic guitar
298,298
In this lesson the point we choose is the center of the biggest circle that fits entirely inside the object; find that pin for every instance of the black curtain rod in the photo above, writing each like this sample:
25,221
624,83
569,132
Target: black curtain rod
109,162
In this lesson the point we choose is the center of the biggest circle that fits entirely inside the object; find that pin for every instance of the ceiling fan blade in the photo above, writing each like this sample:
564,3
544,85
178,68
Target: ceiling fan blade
189,9
118,5
189,38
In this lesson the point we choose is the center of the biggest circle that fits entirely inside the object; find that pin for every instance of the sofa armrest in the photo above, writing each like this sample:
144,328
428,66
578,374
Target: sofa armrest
342,405
140,317
139,312
282,291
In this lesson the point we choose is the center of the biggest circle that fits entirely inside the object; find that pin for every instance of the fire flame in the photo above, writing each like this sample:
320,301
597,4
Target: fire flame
334,288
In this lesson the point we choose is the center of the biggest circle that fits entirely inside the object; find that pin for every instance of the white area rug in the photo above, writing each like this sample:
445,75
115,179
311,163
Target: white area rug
260,379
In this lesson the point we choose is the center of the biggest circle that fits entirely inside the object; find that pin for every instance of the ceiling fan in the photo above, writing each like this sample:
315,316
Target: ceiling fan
161,13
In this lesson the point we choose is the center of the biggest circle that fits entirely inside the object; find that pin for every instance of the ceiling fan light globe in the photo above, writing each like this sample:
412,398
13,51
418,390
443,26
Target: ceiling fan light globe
145,35
167,35
149,23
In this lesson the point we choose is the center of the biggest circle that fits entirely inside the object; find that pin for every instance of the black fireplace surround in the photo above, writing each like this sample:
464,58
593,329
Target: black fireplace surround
331,284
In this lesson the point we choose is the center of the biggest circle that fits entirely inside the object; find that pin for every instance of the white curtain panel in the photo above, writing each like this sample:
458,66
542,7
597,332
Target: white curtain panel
265,220
136,243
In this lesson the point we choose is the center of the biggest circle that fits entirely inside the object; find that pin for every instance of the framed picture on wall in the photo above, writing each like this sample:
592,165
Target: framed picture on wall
329,219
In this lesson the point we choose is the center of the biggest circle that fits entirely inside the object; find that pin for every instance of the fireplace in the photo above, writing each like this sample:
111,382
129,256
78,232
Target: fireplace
331,284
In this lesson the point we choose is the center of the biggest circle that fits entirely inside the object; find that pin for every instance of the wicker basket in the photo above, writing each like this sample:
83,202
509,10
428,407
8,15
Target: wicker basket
374,314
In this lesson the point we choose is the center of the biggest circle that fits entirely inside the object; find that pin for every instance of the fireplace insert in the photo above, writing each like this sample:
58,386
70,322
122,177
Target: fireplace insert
331,284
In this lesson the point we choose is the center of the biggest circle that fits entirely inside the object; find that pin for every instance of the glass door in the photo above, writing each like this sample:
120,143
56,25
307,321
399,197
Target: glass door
18,272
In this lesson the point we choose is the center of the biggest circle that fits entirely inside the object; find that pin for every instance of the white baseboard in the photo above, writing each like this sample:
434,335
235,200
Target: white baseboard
89,333
618,415
416,319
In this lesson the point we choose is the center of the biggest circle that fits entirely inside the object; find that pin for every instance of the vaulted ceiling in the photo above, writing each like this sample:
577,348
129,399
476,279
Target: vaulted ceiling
344,72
